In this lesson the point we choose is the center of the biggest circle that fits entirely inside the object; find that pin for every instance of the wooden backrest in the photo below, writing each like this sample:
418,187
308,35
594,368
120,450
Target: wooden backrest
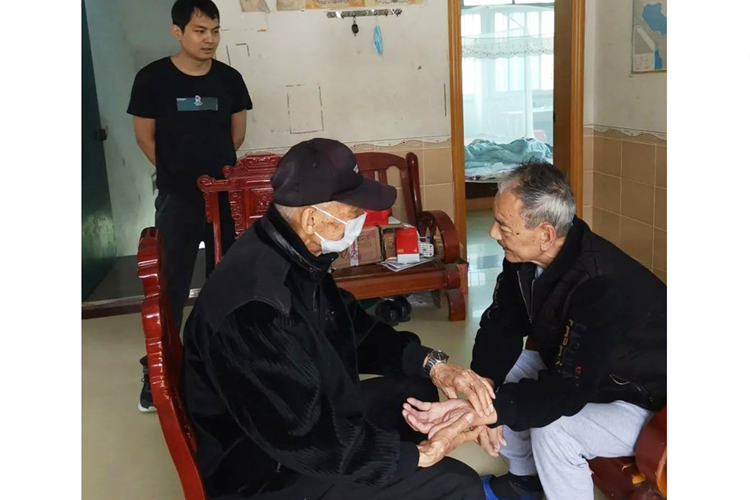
164,355
249,186
375,165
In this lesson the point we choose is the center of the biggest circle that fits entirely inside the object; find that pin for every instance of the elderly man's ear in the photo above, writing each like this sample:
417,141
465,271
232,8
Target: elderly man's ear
547,236
307,220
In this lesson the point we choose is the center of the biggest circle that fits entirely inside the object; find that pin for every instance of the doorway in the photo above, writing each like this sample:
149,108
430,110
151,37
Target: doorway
97,227
516,94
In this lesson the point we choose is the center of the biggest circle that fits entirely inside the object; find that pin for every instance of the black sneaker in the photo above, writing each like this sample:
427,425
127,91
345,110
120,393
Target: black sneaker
146,401
387,310
403,308
512,487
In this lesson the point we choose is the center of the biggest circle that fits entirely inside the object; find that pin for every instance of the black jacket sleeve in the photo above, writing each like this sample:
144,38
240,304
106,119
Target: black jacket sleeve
381,349
271,386
594,325
501,331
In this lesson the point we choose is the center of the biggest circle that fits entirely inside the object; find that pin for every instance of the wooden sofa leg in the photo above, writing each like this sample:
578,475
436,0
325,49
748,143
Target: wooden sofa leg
456,304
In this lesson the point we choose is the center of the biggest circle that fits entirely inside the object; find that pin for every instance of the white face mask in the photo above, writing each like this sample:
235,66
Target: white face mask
351,231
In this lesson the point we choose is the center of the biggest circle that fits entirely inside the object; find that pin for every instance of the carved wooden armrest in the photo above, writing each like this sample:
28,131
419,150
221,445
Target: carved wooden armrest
651,451
437,222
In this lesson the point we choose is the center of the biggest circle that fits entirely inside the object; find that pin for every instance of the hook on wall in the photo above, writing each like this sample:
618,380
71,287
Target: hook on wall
341,14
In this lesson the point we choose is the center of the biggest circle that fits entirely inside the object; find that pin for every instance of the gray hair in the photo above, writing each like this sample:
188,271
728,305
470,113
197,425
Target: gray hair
290,214
545,195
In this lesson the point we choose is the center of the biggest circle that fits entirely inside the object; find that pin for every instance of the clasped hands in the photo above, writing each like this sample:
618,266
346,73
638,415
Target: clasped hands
449,424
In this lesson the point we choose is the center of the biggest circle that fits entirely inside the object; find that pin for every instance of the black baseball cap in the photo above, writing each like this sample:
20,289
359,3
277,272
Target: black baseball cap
321,170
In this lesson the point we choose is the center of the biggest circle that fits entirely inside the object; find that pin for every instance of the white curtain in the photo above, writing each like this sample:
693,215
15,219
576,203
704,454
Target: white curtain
507,71
506,44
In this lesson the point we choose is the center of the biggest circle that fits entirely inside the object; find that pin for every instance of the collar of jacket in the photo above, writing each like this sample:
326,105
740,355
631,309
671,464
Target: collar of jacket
568,253
283,236
255,269
564,260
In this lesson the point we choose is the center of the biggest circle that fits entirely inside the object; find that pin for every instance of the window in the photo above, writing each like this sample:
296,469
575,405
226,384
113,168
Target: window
509,73
471,25
495,89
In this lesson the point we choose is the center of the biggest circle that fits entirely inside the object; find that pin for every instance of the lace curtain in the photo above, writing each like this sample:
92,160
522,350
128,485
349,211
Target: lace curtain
506,45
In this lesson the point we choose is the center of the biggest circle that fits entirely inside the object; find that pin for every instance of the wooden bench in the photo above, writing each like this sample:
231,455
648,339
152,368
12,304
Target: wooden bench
642,477
250,192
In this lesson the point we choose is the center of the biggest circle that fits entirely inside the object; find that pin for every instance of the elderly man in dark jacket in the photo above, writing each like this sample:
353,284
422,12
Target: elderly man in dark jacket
594,367
273,350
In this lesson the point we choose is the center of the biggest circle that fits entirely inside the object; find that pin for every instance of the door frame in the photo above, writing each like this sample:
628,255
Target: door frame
570,20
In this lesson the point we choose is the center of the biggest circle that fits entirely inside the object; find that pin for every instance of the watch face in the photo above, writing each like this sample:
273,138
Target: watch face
440,356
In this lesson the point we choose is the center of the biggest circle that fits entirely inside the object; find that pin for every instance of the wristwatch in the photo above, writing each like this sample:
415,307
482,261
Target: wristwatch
435,357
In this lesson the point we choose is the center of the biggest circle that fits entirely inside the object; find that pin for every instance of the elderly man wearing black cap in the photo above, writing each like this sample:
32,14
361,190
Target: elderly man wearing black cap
273,350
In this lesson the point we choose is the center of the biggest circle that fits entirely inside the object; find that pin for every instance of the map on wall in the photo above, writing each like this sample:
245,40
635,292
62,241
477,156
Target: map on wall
649,35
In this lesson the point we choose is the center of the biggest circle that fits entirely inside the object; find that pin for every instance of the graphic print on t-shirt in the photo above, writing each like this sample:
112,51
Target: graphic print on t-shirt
197,103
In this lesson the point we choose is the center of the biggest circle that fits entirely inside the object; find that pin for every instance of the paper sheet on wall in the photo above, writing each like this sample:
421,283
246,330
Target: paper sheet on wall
254,6
290,4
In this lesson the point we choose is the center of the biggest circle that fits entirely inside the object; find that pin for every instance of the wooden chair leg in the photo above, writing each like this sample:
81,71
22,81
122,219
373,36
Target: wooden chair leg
456,304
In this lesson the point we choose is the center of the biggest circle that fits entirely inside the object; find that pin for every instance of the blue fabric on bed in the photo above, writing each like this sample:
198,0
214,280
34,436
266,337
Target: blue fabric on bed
482,153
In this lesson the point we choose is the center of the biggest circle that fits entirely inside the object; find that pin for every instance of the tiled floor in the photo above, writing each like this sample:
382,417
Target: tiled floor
124,454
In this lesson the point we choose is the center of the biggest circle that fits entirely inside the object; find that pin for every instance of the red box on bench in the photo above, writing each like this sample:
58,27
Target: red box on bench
407,245
376,217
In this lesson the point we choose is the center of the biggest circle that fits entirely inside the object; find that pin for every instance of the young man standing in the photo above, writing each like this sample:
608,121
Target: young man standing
189,113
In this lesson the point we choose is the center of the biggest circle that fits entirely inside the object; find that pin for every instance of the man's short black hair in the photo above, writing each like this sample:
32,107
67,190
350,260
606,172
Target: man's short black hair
182,11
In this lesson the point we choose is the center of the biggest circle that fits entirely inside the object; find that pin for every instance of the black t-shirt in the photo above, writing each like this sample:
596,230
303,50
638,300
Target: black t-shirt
193,120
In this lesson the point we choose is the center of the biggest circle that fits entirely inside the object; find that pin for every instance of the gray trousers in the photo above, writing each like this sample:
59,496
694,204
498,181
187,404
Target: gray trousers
558,451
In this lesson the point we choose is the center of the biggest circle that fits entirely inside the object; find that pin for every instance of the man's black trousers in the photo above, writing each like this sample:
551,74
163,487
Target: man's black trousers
383,397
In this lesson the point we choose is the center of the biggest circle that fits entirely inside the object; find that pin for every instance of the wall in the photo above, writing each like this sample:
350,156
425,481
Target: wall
397,102
119,31
625,146
637,102
308,76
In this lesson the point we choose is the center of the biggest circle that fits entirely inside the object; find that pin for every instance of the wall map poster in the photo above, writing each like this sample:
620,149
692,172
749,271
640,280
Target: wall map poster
649,35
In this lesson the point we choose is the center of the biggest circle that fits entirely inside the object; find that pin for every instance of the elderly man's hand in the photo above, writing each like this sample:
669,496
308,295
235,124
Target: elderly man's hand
479,420
452,379
423,416
491,440
459,430
431,418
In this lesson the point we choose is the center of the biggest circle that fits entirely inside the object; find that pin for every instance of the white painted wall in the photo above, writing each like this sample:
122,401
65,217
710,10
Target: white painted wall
364,97
589,63
613,96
